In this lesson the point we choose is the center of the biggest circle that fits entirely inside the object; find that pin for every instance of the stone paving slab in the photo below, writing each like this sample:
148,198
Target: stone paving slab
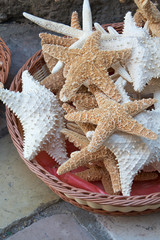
58,227
21,192
145,227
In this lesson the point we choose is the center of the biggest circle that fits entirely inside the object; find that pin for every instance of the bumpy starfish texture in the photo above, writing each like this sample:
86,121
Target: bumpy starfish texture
111,116
150,13
84,101
145,176
41,118
84,126
82,35
83,157
143,64
88,63
55,81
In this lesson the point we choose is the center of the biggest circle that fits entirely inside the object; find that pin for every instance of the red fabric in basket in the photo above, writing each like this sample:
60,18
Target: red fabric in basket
138,188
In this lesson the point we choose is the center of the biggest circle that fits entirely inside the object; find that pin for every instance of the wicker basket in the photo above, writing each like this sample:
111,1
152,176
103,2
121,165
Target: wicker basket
5,60
93,202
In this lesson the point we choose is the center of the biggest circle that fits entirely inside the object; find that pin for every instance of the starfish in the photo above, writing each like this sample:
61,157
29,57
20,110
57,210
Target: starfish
112,116
84,101
143,64
55,81
84,126
74,31
41,117
83,157
96,173
88,63
147,11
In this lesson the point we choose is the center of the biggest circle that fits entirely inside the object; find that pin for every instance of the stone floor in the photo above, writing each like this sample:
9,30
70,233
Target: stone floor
29,210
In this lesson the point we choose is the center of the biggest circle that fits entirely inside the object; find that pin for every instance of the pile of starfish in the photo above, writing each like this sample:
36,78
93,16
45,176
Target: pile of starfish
112,119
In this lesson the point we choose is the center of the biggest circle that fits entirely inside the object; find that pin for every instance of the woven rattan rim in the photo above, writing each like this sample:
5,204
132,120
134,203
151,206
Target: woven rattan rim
5,58
34,64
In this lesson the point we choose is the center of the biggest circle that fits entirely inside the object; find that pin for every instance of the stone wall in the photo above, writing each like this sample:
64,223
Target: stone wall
103,11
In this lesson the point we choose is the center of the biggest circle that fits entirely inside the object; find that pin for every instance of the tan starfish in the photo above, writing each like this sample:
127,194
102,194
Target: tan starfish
83,157
149,12
84,126
145,176
112,116
55,81
96,173
87,64
84,101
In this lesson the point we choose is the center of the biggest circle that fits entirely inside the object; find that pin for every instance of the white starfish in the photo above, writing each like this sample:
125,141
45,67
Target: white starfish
133,152
82,35
144,63
41,117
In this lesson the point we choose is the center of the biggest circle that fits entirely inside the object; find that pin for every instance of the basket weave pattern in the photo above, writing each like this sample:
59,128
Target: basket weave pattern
5,58
94,202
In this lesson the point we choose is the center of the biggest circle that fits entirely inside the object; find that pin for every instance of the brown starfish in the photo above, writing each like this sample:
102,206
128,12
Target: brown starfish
55,81
84,101
112,116
84,126
147,11
96,173
87,64
83,157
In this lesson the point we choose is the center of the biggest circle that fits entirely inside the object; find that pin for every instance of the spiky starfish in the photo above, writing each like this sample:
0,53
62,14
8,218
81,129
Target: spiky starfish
143,64
74,31
41,117
111,116
148,11
88,63
83,157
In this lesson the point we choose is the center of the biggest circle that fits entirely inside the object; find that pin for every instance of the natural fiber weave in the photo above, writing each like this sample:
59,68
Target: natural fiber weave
94,202
5,59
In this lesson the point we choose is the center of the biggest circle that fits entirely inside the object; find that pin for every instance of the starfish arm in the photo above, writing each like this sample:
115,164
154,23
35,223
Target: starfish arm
138,18
47,38
75,79
68,108
145,176
61,53
77,44
107,183
92,174
122,71
112,31
55,27
87,16
137,106
77,139
130,125
149,10
101,98
75,21
90,116
102,132
54,82
80,158
92,42
84,126
74,127
115,56
84,101
111,165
